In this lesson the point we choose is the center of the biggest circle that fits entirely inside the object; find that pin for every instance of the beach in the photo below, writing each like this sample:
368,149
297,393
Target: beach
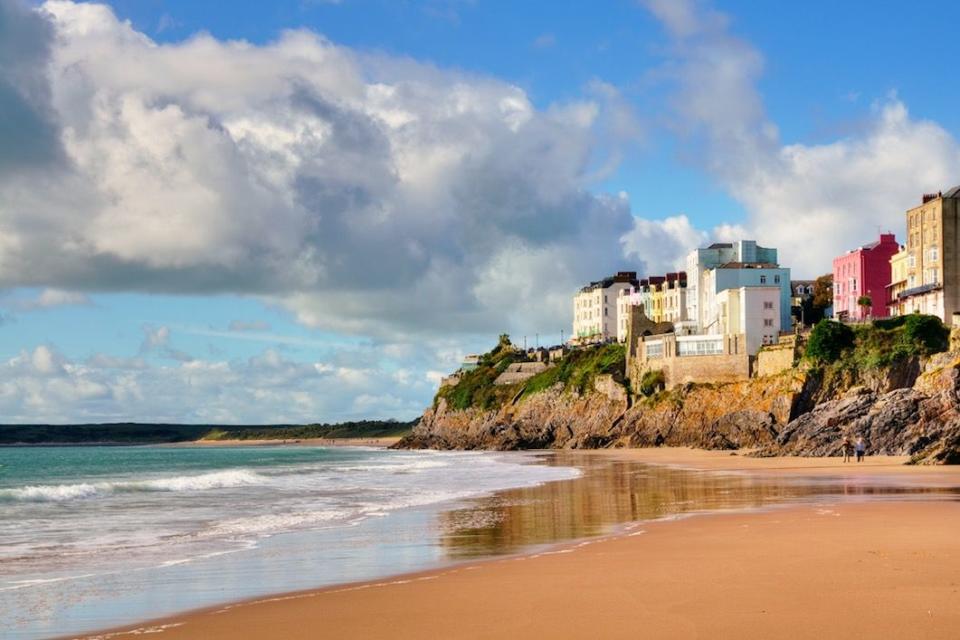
863,567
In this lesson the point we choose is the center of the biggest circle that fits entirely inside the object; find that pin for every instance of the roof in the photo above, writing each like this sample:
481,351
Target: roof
749,265
721,245
952,193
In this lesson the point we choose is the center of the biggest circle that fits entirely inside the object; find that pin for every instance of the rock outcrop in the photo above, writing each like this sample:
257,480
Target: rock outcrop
910,408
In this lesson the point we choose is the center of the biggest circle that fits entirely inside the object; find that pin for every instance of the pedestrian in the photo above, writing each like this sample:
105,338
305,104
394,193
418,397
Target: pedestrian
861,448
847,449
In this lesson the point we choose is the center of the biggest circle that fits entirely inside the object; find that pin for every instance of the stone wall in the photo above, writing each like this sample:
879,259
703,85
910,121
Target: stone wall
774,359
731,365
719,368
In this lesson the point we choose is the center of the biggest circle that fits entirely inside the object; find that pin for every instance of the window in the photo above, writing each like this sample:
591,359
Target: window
605,311
934,254
768,322
912,261
776,279
768,305
763,279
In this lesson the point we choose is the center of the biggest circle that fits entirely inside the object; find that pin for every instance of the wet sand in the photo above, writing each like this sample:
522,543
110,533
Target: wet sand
832,569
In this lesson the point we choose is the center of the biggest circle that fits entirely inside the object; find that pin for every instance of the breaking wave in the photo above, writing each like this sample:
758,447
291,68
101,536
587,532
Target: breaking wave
87,490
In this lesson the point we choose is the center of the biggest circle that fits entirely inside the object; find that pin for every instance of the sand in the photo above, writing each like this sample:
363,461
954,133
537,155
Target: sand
879,569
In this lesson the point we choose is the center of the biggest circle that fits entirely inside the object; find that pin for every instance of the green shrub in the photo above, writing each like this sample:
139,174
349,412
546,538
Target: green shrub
890,323
652,382
926,333
828,340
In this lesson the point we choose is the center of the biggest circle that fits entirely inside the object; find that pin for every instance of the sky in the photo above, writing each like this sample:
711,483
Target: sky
310,210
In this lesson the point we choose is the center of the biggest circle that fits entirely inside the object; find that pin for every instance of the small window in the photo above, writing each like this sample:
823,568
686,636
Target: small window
934,254
763,279
768,322
776,279
768,305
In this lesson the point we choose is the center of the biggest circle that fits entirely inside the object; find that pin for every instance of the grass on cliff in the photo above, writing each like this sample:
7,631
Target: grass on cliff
877,345
476,388
579,369
576,372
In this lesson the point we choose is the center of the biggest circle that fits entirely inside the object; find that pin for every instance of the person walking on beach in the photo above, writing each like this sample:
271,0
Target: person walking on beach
847,449
861,448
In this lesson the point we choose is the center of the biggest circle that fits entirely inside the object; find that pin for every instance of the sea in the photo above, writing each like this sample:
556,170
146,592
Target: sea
92,537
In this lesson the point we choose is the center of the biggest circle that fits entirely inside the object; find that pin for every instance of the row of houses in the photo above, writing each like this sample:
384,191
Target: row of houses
728,288
713,321
885,278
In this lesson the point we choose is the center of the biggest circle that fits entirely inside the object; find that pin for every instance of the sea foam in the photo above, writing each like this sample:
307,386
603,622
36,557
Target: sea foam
87,490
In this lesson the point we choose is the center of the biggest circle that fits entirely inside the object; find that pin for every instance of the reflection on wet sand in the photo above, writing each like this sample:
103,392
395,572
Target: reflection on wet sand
615,492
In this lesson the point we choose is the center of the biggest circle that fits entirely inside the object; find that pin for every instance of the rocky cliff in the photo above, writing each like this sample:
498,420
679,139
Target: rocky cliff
909,407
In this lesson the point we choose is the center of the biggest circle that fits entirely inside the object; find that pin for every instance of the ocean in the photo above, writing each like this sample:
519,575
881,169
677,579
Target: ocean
92,537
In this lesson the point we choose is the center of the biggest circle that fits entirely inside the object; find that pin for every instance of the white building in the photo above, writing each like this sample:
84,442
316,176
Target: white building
751,311
595,308
722,253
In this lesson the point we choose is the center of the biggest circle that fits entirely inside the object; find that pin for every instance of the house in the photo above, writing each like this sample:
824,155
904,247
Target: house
595,308
862,275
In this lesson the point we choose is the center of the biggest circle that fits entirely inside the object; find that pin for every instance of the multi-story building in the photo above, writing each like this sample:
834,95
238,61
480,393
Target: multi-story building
753,312
595,308
717,254
862,273
735,275
663,299
896,306
933,256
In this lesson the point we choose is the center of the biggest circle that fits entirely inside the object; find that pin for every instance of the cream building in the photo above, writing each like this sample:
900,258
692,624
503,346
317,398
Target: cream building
753,312
933,261
595,308
898,281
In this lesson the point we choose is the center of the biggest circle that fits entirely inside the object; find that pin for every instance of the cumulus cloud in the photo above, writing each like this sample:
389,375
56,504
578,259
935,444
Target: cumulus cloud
42,385
360,191
813,201
50,298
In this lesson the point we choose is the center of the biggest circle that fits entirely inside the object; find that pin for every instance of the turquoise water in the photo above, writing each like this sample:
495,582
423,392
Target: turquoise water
99,536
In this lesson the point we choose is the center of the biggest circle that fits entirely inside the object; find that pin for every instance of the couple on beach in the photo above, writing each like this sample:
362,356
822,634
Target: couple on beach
848,448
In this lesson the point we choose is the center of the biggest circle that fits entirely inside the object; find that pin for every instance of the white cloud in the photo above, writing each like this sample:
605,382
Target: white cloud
42,385
364,193
813,201
50,298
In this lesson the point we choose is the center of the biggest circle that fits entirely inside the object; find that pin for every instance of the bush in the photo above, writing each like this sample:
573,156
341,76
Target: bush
652,382
890,323
828,341
926,333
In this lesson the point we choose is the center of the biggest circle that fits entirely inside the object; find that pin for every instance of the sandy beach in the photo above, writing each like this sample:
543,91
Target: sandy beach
875,569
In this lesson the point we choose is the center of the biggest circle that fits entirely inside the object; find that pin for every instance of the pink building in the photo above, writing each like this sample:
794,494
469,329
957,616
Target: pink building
865,271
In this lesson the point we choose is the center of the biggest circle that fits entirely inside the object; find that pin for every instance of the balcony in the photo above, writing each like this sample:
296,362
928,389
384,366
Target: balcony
919,291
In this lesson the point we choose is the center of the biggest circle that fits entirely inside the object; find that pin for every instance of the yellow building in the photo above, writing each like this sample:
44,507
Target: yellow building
656,302
898,281
933,256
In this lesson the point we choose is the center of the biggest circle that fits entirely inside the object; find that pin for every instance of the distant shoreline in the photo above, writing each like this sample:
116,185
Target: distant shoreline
332,442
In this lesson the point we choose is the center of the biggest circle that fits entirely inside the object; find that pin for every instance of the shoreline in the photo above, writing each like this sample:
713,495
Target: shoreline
217,621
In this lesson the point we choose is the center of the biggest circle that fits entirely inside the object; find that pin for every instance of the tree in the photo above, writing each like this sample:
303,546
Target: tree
865,303
823,291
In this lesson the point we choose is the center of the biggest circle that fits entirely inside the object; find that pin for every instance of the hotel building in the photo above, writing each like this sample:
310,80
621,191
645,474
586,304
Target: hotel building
933,262
595,308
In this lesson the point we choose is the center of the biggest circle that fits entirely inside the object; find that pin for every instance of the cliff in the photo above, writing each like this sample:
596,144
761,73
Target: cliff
902,403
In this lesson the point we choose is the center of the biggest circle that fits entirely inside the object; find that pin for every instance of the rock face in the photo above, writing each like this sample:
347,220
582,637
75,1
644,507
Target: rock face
912,408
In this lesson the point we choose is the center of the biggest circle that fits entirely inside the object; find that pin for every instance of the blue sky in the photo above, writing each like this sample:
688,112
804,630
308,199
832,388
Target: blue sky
231,223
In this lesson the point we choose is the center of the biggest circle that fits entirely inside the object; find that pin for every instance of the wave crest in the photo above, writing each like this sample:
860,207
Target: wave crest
86,490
